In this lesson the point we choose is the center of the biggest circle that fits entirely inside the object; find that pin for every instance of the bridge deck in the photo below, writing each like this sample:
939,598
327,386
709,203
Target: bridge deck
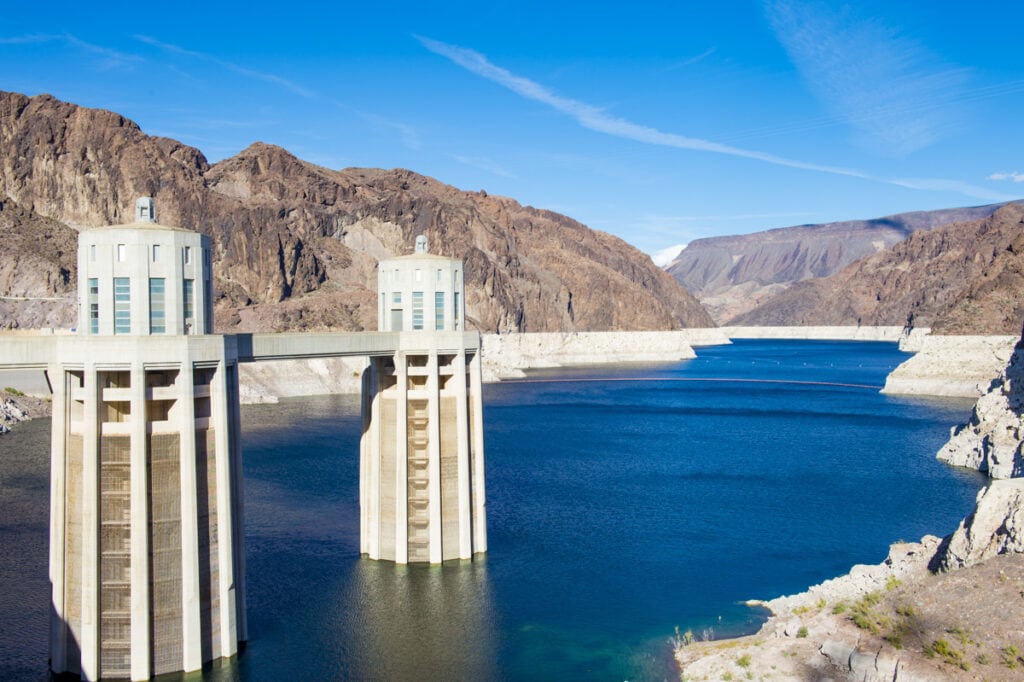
292,345
36,351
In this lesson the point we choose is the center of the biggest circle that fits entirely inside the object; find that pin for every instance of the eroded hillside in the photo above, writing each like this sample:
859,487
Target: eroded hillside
963,278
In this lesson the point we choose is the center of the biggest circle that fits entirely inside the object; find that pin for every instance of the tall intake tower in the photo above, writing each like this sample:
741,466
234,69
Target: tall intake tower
146,534
421,483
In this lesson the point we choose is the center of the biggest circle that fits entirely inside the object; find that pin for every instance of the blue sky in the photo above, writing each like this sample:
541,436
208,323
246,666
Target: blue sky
657,122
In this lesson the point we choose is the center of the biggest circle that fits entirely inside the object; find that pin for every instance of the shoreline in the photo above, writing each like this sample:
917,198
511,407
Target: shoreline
952,366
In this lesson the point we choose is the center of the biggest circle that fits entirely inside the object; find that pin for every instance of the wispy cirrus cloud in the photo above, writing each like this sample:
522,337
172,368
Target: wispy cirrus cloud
1013,177
597,119
111,58
271,78
882,83
692,60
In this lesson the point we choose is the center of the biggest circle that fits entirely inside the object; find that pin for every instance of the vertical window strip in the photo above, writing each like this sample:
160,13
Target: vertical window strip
188,304
456,311
417,310
439,310
94,305
157,314
122,306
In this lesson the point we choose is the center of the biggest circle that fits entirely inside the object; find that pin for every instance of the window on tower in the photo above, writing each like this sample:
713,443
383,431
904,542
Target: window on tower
417,310
188,307
122,306
94,305
157,315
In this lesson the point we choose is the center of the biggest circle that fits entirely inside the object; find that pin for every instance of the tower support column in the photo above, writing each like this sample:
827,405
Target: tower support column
401,458
192,646
420,454
88,564
477,429
59,425
139,613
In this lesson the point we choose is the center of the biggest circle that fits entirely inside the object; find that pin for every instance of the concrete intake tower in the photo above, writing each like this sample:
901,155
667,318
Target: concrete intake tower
421,481
145,528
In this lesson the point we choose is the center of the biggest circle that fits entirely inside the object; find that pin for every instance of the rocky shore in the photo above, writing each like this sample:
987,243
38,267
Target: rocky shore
991,441
267,382
18,407
954,366
505,356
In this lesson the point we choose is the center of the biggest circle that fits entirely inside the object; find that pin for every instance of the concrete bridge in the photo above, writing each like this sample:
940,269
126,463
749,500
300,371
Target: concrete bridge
147,556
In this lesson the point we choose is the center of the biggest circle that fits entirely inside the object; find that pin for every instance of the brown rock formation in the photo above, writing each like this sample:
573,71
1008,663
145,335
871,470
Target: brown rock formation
296,245
37,270
964,278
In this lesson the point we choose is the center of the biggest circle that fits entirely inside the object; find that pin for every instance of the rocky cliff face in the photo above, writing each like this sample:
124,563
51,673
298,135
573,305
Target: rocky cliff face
996,526
732,275
296,245
991,441
964,278
37,269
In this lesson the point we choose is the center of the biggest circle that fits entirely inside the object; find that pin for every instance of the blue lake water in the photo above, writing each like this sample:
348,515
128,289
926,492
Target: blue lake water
622,502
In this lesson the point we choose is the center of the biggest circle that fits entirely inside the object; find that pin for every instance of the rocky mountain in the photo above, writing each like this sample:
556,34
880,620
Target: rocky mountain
296,245
732,275
963,278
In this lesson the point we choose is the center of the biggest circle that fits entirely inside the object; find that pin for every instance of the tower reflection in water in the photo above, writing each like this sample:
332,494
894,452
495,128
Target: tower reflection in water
417,622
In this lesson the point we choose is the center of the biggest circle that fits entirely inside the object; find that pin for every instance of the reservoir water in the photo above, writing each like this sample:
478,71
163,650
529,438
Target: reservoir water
622,502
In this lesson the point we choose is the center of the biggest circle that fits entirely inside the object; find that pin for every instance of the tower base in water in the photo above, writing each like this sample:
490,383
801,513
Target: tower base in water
146,542
421,482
